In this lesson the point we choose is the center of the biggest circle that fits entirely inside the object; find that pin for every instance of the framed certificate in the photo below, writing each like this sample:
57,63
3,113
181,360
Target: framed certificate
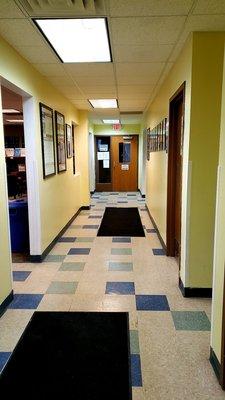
69,141
47,140
60,141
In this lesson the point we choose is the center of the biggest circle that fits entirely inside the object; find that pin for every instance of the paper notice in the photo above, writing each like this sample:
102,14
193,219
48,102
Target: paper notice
105,163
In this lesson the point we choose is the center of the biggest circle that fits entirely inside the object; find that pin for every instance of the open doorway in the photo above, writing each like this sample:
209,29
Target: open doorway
15,158
174,189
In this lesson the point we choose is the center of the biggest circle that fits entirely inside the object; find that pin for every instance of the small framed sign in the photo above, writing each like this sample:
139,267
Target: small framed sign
69,141
60,141
47,140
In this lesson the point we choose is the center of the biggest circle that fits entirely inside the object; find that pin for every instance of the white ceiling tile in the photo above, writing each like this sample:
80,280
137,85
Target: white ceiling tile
81,104
138,73
203,23
55,70
72,92
99,91
89,69
134,91
209,7
61,81
149,7
132,105
156,30
176,51
20,32
142,53
37,53
8,9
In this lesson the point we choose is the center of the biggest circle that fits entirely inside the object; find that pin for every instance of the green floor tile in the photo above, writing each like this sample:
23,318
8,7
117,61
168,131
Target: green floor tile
54,258
75,226
134,342
121,251
57,287
72,266
191,320
85,239
120,266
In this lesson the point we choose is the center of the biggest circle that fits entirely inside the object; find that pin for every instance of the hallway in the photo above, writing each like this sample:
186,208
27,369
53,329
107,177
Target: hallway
169,334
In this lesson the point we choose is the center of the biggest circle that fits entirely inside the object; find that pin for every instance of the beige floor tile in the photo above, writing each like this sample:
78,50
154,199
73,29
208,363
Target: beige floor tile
119,303
12,325
87,302
56,302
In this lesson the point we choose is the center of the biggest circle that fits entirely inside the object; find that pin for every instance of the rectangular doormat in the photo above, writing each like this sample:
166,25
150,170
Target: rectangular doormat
71,355
119,221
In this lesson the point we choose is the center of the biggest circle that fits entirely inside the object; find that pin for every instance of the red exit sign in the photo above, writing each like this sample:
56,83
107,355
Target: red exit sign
116,127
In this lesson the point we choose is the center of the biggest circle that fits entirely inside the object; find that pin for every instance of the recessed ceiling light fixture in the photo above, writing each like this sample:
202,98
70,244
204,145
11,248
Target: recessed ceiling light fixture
10,111
78,39
103,103
111,121
16,121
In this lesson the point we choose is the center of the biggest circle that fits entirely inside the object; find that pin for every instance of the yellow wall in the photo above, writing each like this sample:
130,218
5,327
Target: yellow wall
200,153
156,168
56,206
207,74
219,248
5,258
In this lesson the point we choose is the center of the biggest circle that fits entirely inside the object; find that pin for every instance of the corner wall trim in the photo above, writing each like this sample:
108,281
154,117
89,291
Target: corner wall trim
156,228
194,292
215,364
5,303
40,257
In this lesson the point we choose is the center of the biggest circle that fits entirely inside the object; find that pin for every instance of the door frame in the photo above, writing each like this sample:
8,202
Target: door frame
171,172
222,371
137,176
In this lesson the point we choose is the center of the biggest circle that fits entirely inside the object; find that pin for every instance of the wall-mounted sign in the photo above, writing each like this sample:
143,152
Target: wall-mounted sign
117,127
124,167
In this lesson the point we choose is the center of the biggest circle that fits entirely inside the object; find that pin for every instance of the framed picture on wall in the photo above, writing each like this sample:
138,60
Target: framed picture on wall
148,144
69,141
47,140
60,141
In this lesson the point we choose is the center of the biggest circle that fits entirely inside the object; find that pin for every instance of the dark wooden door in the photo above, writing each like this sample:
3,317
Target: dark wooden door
174,191
124,163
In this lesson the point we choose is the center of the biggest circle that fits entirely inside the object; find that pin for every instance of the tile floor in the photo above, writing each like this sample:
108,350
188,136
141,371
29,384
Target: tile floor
169,335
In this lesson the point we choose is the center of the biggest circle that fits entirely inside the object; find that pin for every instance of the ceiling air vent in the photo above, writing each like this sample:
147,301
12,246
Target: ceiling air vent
62,8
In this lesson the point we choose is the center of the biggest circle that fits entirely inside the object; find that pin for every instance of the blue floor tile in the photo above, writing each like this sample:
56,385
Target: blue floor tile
82,250
4,356
67,239
25,301
159,252
120,288
90,226
136,377
121,240
20,276
152,303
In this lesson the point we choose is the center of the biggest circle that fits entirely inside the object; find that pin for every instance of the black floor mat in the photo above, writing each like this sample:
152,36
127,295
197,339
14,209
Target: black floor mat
71,355
118,221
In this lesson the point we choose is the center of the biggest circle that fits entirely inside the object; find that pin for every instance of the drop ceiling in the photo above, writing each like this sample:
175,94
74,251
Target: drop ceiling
146,37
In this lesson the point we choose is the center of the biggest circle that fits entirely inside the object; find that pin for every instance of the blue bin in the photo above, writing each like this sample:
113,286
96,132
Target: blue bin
19,231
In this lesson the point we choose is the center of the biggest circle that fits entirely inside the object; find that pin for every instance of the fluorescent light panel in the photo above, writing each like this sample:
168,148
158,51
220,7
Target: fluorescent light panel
111,121
10,111
78,39
103,103
17,121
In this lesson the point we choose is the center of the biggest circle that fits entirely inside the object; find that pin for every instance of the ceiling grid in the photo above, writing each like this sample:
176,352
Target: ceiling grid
146,37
